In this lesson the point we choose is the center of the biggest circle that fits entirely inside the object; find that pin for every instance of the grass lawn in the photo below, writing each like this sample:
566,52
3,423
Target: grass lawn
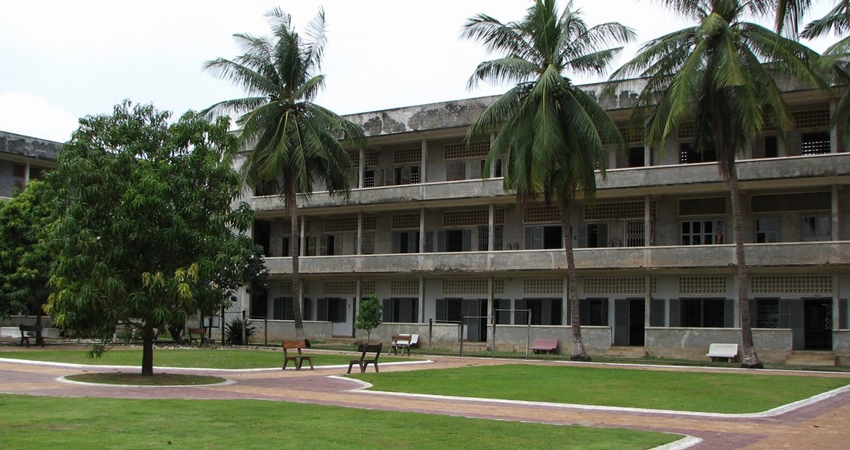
680,391
203,357
92,423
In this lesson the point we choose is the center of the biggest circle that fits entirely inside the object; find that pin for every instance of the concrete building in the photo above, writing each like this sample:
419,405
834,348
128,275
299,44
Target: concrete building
23,158
455,257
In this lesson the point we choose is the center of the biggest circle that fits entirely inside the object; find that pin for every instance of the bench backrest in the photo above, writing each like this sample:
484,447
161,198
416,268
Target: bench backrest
196,331
723,349
30,328
294,344
365,349
545,343
414,338
402,338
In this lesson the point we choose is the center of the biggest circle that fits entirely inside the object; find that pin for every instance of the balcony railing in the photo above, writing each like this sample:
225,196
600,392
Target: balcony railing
798,254
655,179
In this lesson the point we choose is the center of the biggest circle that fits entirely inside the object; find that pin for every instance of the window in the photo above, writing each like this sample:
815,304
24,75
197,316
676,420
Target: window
593,235
455,170
405,310
454,240
332,245
259,306
688,155
544,311
544,237
368,244
767,229
484,238
593,311
767,313
771,146
702,232
369,178
703,312
406,175
817,228
331,309
405,242
19,171
282,309
815,143
636,156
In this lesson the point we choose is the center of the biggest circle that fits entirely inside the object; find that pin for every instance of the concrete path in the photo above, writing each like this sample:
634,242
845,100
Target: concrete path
821,424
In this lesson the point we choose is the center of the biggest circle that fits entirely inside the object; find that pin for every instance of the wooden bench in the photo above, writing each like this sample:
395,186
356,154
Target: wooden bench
197,334
728,352
402,342
298,358
28,331
544,345
364,360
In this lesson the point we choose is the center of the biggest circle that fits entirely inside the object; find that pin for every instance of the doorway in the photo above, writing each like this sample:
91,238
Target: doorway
629,321
817,324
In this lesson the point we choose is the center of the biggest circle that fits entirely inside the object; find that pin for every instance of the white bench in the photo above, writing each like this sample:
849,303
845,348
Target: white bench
404,342
725,351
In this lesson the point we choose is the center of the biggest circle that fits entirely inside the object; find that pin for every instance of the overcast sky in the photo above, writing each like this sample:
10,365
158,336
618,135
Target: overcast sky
61,60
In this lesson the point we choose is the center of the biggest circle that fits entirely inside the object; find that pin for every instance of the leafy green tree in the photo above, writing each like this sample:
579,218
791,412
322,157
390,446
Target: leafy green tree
293,143
369,316
714,74
25,223
147,234
550,132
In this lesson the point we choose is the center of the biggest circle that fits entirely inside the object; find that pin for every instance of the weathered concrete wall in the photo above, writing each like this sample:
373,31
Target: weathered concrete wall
597,340
285,329
772,345
29,147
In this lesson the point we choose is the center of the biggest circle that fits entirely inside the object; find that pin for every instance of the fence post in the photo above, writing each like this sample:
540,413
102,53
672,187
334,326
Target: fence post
266,329
221,325
430,334
460,335
244,328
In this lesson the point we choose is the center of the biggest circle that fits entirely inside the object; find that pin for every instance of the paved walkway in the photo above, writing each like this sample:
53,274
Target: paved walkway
822,424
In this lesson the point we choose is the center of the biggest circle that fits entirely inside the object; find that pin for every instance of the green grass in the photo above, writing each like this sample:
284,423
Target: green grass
91,423
137,379
204,357
680,391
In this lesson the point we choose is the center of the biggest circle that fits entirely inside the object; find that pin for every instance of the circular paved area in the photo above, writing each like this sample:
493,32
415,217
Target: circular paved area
822,424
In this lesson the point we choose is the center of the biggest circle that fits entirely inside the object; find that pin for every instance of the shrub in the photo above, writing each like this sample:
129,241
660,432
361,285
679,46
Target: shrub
233,333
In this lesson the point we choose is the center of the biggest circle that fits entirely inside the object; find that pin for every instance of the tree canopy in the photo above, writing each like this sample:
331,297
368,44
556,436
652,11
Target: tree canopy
148,232
369,316
25,222
292,142
550,133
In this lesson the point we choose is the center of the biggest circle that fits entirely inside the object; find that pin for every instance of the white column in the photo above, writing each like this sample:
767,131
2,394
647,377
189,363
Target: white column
423,163
421,230
834,132
836,211
361,168
491,238
359,242
421,299
647,221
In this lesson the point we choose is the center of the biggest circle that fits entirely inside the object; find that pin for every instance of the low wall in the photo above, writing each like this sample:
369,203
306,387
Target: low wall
285,329
772,345
14,321
597,340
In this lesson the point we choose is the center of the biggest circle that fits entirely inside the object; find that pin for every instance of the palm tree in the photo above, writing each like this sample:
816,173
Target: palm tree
714,74
837,20
550,132
293,142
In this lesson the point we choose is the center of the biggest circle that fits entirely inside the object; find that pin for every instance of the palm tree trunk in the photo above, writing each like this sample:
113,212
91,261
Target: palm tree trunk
578,352
751,359
294,250
147,350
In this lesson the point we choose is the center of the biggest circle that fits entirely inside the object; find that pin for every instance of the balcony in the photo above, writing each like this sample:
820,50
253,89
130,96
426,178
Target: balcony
784,255
771,173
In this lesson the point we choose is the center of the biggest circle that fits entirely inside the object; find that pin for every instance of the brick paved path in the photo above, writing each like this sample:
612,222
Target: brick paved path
822,425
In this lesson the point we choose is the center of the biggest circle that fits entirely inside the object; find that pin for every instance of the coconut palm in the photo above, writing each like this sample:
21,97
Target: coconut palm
550,132
291,141
714,75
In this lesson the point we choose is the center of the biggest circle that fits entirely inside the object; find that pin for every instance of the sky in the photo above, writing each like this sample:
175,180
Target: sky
61,60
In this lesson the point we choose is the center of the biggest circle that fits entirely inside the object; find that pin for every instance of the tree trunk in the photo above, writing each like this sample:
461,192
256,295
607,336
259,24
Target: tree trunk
578,352
147,350
294,250
751,359
39,338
